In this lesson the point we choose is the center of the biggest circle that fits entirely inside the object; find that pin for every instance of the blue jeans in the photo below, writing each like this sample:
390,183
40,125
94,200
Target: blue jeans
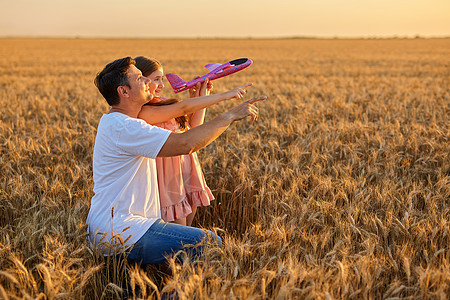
165,239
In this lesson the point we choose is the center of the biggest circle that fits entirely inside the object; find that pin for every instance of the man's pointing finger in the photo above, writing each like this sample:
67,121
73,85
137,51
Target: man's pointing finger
257,99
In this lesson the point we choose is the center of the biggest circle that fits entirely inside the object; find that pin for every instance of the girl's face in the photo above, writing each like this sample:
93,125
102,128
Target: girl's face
156,84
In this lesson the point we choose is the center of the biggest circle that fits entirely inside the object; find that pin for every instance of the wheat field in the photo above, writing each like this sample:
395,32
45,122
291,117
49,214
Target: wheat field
340,190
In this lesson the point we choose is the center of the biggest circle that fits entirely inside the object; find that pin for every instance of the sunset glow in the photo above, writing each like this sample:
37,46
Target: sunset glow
200,18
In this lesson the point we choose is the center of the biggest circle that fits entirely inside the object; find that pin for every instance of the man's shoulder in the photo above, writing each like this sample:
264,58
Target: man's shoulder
118,120
114,117
130,135
126,125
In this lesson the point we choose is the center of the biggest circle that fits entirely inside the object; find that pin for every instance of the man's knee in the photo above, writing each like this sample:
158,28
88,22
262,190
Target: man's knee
213,238
204,237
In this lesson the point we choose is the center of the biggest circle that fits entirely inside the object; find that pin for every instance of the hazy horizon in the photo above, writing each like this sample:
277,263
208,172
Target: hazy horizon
233,19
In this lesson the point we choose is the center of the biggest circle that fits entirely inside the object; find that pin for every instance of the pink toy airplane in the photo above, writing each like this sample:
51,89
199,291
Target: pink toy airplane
217,71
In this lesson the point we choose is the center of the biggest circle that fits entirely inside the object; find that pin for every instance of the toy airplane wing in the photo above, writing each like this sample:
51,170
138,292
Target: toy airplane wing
212,67
216,71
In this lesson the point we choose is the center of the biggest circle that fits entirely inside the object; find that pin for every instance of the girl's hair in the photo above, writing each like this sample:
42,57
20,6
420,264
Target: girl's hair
147,67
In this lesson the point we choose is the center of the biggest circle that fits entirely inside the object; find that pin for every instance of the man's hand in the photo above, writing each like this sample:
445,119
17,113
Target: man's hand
245,109
198,137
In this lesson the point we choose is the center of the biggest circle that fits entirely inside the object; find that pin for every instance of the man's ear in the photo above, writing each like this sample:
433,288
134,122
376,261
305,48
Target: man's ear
122,91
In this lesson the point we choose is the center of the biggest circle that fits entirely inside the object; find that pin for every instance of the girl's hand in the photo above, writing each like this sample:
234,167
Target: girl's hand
237,93
201,89
195,90
206,88
209,87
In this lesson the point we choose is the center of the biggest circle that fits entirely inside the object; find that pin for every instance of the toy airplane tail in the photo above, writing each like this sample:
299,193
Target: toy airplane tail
176,82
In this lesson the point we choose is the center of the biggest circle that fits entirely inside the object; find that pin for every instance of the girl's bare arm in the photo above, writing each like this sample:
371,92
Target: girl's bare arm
198,117
158,114
200,136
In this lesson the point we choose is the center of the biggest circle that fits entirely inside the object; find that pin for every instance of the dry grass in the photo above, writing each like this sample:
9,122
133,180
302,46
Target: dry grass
340,190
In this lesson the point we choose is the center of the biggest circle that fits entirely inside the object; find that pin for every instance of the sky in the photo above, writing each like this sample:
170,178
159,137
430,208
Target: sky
231,18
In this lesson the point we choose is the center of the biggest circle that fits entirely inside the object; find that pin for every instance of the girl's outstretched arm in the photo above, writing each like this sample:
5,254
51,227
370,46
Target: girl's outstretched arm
204,89
158,114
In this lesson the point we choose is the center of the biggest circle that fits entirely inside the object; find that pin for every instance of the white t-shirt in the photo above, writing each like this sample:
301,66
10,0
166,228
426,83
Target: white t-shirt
125,179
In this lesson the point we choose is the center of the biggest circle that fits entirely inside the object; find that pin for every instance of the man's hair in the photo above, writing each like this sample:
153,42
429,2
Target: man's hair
114,74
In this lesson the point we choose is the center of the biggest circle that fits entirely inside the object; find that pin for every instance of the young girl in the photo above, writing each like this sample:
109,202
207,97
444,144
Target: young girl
182,186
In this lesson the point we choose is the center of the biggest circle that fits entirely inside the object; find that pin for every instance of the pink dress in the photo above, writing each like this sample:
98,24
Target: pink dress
180,181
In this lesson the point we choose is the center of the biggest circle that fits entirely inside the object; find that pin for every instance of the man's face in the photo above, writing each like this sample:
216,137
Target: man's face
139,90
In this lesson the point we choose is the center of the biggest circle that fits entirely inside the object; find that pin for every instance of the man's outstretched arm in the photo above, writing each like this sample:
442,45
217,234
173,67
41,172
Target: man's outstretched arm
201,136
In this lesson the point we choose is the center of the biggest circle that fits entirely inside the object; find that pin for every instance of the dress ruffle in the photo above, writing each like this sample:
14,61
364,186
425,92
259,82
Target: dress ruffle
181,182
176,211
200,198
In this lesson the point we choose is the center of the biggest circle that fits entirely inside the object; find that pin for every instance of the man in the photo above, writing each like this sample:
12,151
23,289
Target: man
125,209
